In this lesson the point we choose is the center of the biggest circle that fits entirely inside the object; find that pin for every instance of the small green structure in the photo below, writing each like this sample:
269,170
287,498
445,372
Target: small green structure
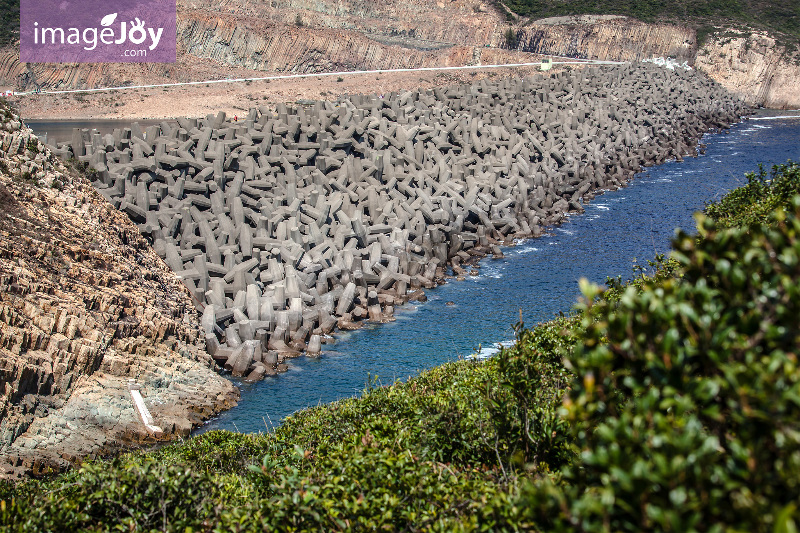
547,63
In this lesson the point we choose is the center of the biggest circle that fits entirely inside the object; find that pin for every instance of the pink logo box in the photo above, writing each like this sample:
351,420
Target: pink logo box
97,31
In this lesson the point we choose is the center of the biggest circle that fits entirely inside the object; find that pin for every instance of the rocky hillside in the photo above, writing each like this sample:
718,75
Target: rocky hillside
86,305
303,36
753,65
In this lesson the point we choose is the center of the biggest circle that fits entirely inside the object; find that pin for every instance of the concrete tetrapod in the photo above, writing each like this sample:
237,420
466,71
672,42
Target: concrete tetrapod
295,221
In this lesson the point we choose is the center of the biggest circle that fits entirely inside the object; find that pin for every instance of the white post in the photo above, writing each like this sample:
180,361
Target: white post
141,410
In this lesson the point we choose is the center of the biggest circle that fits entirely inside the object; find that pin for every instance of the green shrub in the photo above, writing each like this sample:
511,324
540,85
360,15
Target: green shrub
686,405
367,487
777,16
759,199
510,38
131,495
523,404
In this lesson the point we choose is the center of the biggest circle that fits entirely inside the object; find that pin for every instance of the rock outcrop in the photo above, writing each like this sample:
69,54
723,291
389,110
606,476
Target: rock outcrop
86,305
753,66
606,38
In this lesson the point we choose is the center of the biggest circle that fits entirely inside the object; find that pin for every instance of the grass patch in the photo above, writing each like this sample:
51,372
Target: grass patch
783,17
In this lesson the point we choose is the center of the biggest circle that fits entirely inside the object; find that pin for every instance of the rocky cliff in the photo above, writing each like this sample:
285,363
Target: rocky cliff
751,64
609,38
754,66
85,305
216,39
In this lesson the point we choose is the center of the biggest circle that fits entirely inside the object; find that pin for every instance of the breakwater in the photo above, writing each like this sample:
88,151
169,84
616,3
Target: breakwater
287,225
537,278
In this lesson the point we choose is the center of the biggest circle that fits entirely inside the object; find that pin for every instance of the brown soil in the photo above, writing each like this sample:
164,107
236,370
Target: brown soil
237,98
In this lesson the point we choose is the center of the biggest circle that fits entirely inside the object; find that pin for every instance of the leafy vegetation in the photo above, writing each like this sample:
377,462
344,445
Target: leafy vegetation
420,455
670,402
9,21
765,193
781,16
685,404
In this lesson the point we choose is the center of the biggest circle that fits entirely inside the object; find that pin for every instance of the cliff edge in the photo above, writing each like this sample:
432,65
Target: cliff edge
86,305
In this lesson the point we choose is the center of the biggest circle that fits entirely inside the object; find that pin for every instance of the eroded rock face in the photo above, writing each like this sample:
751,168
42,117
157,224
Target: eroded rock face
85,304
753,66
308,36
606,38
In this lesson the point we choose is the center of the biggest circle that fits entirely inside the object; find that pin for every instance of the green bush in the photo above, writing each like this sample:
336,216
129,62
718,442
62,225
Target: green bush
524,401
130,495
781,16
759,199
9,21
686,405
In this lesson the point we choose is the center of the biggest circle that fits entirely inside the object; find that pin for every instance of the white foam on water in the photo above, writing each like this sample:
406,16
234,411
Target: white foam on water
344,335
489,351
567,231
525,250
404,312
664,180
601,207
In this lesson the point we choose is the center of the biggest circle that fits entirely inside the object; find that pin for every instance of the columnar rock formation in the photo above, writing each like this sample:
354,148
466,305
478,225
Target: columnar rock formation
217,39
607,38
753,66
287,225
85,305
